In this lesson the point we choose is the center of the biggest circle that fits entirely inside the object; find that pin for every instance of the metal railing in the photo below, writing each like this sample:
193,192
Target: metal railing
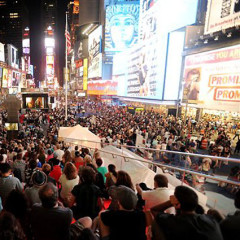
184,170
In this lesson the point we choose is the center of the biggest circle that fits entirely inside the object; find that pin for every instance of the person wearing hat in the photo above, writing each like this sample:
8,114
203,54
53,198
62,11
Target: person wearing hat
39,178
125,223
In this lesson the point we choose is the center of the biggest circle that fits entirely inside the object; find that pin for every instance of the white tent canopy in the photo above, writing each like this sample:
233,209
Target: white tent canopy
79,135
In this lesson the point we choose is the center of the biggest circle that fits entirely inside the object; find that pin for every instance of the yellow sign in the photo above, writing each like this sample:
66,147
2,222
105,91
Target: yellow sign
85,74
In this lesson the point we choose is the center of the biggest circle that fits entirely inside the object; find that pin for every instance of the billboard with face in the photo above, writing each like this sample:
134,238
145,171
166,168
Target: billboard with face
212,79
121,31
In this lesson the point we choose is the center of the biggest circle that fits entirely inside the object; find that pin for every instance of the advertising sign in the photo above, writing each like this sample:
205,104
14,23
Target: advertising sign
222,14
5,78
95,67
121,31
16,76
212,79
2,53
102,87
85,74
140,71
94,43
1,72
12,56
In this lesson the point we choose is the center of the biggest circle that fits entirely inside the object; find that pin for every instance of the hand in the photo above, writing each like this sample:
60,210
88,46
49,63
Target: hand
174,202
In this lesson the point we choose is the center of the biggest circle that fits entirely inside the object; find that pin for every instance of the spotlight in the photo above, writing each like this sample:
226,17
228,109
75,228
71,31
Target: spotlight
205,41
229,34
216,38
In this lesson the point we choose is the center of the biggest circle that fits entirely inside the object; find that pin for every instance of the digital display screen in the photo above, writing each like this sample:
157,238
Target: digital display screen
11,126
140,70
35,102
121,31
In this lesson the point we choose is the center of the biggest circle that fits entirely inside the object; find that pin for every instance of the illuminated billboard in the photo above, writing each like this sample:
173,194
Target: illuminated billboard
95,67
121,29
49,42
222,14
5,78
212,79
141,70
16,76
102,87
2,53
12,56
94,43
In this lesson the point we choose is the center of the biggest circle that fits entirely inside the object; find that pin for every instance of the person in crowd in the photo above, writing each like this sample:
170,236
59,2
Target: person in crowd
78,160
20,165
56,169
49,220
124,179
59,152
230,225
186,224
66,157
10,227
111,176
125,222
8,182
46,168
68,180
17,203
39,178
159,194
30,169
101,169
86,195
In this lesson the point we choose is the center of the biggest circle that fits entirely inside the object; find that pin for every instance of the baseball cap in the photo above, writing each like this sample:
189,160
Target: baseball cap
39,178
126,197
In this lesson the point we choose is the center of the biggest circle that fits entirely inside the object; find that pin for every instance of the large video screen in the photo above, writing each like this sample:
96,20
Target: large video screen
121,30
140,70
35,101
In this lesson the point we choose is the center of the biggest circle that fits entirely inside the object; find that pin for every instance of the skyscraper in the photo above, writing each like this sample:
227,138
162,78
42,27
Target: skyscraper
13,21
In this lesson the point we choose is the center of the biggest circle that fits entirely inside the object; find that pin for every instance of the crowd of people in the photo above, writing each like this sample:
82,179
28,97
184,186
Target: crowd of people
49,190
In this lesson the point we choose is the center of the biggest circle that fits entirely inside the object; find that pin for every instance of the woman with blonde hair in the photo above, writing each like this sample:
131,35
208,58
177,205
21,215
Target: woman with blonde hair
67,157
68,180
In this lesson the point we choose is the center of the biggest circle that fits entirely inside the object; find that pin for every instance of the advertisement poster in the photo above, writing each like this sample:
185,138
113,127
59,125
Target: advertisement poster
212,79
16,76
85,74
222,14
5,78
102,87
95,67
121,31
94,43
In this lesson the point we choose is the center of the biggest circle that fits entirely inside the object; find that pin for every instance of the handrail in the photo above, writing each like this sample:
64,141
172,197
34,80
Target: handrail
159,150
219,179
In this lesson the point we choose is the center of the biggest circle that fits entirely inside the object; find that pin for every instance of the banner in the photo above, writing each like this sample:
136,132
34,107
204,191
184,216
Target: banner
212,79
5,78
102,87
16,76
222,14
95,67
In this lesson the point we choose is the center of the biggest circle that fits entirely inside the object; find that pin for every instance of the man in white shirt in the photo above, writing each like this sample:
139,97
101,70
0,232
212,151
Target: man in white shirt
159,194
59,152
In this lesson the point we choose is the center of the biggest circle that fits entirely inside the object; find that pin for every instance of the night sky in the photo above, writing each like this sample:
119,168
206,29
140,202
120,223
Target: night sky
36,36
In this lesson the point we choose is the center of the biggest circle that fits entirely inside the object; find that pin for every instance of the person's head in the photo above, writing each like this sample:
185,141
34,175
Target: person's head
48,195
5,169
215,214
87,175
88,159
46,168
19,156
39,178
187,198
49,152
123,178
112,169
16,203
99,162
160,181
126,198
76,148
70,171
58,146
32,163
10,227
237,200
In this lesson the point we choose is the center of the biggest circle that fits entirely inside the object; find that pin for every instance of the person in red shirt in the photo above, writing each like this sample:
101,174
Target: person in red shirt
56,169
